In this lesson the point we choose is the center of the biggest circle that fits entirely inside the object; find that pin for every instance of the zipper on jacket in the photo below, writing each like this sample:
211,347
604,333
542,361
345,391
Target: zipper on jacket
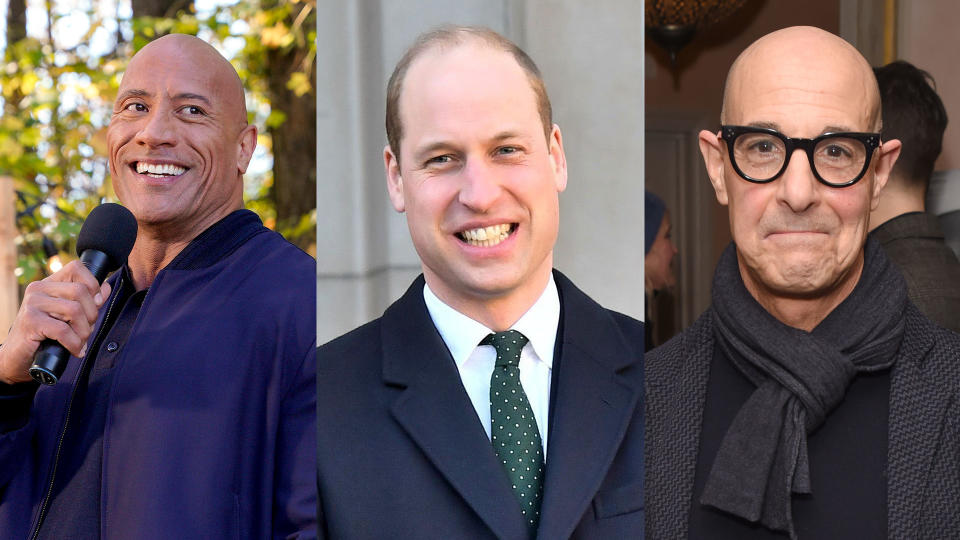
66,422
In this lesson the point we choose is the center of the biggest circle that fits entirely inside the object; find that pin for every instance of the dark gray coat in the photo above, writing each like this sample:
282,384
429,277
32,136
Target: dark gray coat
923,451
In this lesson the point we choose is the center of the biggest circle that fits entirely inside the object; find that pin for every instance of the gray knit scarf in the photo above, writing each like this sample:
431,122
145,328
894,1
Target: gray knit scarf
799,376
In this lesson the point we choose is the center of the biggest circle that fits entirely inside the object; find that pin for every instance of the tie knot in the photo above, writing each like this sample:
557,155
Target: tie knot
508,345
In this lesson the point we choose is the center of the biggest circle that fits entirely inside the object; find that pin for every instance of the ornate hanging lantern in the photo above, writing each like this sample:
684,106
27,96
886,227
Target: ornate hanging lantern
673,23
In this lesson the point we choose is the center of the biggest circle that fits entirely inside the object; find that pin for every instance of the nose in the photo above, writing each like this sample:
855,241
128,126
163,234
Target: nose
156,130
480,186
798,188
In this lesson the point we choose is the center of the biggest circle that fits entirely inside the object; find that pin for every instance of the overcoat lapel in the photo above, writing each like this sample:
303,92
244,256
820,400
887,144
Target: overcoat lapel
673,433
920,398
434,409
593,406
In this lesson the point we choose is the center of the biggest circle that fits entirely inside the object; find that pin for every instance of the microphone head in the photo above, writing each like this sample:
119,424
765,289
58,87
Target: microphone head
109,228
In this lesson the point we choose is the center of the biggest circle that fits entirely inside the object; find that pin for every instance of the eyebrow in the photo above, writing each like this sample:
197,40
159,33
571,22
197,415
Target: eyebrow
188,95
134,92
430,148
828,129
137,92
838,129
506,135
423,152
766,125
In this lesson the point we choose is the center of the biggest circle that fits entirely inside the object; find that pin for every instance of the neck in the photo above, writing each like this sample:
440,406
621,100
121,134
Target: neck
804,312
496,312
158,244
896,201
149,256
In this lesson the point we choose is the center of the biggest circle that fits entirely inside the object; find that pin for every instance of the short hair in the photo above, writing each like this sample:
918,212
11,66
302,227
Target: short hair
451,36
914,114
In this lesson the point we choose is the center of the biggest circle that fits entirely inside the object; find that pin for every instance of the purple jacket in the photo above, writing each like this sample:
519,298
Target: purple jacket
210,431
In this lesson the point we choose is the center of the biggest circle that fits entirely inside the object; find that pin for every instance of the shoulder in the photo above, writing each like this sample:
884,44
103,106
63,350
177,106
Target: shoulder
631,328
400,323
271,267
939,345
592,328
350,369
685,346
266,287
274,249
365,338
578,305
926,363
915,240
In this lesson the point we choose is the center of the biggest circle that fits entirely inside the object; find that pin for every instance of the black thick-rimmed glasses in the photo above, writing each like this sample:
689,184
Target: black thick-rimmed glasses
760,155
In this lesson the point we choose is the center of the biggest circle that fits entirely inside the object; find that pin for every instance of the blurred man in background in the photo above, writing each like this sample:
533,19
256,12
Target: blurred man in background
912,237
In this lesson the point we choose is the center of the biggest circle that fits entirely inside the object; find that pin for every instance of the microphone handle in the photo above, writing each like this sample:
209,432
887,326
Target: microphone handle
50,360
97,262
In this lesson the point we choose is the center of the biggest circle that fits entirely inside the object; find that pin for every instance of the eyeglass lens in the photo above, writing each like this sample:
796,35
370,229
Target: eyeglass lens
836,159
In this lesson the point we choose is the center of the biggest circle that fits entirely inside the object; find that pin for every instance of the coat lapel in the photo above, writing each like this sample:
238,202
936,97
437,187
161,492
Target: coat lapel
435,411
593,406
677,373
920,398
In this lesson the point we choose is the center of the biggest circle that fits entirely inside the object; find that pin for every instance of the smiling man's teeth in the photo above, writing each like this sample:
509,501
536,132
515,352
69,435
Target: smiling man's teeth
155,169
486,236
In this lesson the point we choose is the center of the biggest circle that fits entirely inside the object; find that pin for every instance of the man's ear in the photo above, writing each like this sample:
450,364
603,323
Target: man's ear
391,165
248,143
887,156
558,158
712,152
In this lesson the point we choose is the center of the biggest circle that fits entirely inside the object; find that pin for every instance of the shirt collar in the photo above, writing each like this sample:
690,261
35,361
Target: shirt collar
462,334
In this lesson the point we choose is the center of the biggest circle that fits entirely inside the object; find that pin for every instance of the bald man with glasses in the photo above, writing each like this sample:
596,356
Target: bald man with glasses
812,399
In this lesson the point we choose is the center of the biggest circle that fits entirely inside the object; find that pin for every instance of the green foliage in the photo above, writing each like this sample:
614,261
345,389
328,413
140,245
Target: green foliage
57,103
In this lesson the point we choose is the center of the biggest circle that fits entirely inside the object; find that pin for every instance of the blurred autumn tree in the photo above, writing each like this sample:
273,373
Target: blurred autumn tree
58,87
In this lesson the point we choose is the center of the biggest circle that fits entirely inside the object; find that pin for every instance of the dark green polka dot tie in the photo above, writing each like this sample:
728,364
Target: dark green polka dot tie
513,429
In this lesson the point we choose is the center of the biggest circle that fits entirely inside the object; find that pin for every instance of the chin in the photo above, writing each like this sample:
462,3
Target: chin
489,288
797,283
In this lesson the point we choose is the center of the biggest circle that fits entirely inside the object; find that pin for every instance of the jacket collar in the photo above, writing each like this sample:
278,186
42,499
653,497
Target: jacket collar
594,402
461,334
589,414
676,391
922,398
909,225
433,408
219,240
209,247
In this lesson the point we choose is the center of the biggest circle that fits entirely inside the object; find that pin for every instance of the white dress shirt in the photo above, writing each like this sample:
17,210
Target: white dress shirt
475,362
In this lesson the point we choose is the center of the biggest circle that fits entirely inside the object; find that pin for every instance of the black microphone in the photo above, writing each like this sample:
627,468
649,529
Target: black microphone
104,242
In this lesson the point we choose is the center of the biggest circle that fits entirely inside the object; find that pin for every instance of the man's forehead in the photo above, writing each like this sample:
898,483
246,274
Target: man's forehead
184,69
830,97
792,106
156,65
447,64
449,86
